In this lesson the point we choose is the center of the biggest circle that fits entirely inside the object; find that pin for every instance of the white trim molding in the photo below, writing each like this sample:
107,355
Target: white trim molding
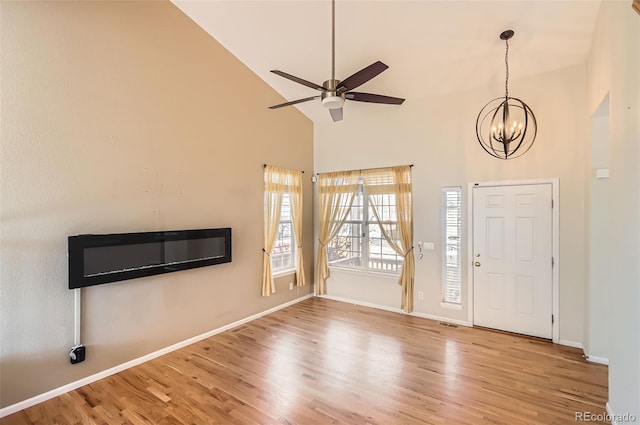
451,306
555,223
119,368
579,345
441,319
362,303
594,359
571,344
396,310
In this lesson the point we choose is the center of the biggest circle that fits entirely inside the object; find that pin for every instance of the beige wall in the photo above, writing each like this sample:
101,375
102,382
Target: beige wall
597,260
613,68
122,117
438,136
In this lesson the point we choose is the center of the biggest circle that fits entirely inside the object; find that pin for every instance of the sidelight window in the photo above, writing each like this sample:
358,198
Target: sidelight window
451,245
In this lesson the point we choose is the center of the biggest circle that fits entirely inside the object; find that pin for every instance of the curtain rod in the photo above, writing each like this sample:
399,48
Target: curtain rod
265,166
366,169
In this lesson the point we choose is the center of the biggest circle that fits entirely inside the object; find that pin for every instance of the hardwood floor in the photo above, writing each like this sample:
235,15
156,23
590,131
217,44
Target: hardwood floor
325,362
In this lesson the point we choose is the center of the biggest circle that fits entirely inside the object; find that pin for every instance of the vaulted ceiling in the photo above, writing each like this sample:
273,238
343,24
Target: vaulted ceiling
431,47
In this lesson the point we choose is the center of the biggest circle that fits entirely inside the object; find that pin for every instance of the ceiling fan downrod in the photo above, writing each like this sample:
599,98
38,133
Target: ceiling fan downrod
333,40
331,99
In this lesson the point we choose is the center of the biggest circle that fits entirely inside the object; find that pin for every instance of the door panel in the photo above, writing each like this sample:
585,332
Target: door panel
525,239
495,238
512,245
525,295
496,292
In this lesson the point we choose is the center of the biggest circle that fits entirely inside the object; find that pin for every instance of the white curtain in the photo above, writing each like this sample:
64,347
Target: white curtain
396,182
336,192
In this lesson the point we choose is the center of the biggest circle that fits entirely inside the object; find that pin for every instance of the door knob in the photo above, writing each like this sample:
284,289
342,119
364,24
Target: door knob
477,264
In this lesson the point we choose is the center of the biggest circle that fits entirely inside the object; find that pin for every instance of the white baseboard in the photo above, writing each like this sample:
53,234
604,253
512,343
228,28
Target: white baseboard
571,344
396,310
568,343
119,368
441,319
362,303
595,359
592,359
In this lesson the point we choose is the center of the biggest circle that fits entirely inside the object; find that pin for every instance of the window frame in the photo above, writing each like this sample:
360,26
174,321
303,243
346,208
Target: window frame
364,239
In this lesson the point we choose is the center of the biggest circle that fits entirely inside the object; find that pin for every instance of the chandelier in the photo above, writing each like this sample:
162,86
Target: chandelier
506,126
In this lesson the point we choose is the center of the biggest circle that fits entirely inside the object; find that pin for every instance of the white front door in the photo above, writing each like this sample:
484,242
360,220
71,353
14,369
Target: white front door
512,258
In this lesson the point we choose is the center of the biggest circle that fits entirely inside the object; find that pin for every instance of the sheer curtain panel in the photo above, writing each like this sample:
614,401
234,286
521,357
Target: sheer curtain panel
274,188
395,182
277,182
296,211
336,192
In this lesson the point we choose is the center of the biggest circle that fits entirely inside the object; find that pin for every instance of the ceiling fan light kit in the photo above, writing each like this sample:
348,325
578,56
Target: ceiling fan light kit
506,126
335,92
331,99
332,102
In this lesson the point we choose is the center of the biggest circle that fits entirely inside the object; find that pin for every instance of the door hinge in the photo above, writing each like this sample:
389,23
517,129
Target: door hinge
552,203
553,262
552,319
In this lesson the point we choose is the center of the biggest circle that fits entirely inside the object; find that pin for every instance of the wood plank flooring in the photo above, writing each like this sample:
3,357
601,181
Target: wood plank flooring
324,362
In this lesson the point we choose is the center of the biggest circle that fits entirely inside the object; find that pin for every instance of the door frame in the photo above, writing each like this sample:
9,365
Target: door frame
555,247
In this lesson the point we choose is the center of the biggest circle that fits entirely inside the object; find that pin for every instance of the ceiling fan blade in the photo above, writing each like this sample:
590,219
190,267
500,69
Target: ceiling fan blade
362,76
298,80
336,114
374,98
293,102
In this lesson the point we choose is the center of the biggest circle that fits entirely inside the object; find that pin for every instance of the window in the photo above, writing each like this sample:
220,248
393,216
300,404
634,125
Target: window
282,226
451,245
365,222
283,253
360,243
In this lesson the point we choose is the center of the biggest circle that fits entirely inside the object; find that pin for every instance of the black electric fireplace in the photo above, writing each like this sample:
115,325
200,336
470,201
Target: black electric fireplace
97,259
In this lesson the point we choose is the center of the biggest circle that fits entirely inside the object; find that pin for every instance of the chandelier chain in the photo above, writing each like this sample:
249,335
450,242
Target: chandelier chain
506,63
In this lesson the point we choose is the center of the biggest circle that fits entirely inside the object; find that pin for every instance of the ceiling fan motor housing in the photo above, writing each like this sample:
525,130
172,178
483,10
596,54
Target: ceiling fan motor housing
330,98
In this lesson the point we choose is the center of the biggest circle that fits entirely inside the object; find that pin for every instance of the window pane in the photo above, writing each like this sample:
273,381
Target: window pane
382,256
345,249
452,235
285,212
282,255
386,205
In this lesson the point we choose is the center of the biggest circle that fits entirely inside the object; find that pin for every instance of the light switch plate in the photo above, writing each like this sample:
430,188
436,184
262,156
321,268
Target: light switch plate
429,246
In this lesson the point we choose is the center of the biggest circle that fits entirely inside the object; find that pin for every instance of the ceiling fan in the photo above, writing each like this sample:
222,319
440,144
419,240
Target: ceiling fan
335,92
